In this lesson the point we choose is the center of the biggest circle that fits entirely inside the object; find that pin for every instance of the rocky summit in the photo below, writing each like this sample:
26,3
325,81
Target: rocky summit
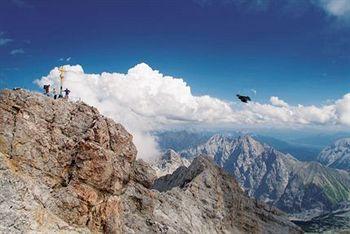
66,168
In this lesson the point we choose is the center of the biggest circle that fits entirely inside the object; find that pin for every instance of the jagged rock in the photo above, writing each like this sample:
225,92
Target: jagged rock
66,168
76,161
221,204
143,173
169,162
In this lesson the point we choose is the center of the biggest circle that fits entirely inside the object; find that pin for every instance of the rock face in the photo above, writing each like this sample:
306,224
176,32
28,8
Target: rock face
169,162
301,189
72,160
336,155
221,204
65,168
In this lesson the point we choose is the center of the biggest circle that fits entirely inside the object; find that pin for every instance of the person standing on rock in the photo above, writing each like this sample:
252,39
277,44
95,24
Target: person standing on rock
66,91
47,90
54,93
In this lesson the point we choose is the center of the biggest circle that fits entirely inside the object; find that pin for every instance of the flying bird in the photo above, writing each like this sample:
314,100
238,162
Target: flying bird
244,99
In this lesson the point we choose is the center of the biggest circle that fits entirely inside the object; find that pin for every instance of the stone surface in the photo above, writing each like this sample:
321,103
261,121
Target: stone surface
214,202
65,168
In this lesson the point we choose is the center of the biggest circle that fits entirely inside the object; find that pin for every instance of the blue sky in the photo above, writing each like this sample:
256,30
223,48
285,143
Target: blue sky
296,50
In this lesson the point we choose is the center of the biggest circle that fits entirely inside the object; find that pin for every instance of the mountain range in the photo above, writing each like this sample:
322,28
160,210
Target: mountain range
302,189
184,139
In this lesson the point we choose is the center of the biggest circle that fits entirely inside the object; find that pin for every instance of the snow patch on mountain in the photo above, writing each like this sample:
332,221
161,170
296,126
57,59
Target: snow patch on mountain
337,155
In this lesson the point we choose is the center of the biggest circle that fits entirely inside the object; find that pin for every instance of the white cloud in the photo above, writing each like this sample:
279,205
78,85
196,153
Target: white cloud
17,51
144,100
342,108
278,102
253,91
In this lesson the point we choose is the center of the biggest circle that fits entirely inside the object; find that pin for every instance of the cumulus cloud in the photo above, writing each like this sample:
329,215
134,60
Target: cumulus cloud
342,108
278,102
144,100
258,114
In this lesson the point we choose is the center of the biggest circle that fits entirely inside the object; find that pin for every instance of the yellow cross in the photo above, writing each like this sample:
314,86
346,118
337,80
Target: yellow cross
61,69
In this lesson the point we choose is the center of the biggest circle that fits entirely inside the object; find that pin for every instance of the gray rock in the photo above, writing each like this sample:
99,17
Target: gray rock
213,202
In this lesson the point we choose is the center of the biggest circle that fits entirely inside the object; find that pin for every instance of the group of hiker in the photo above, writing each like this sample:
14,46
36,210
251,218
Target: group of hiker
54,92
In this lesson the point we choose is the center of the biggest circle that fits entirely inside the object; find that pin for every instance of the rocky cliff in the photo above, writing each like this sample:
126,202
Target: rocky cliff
66,168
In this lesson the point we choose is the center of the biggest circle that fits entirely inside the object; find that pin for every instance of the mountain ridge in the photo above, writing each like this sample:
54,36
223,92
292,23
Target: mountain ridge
66,168
336,155
277,178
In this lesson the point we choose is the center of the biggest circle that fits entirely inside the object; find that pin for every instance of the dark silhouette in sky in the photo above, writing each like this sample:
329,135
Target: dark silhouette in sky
244,99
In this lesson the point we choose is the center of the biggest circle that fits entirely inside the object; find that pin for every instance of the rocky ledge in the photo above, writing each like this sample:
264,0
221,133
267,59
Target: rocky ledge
66,168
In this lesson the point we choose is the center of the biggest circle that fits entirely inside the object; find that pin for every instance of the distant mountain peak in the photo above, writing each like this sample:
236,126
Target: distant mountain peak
170,154
336,155
169,162
342,142
218,138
